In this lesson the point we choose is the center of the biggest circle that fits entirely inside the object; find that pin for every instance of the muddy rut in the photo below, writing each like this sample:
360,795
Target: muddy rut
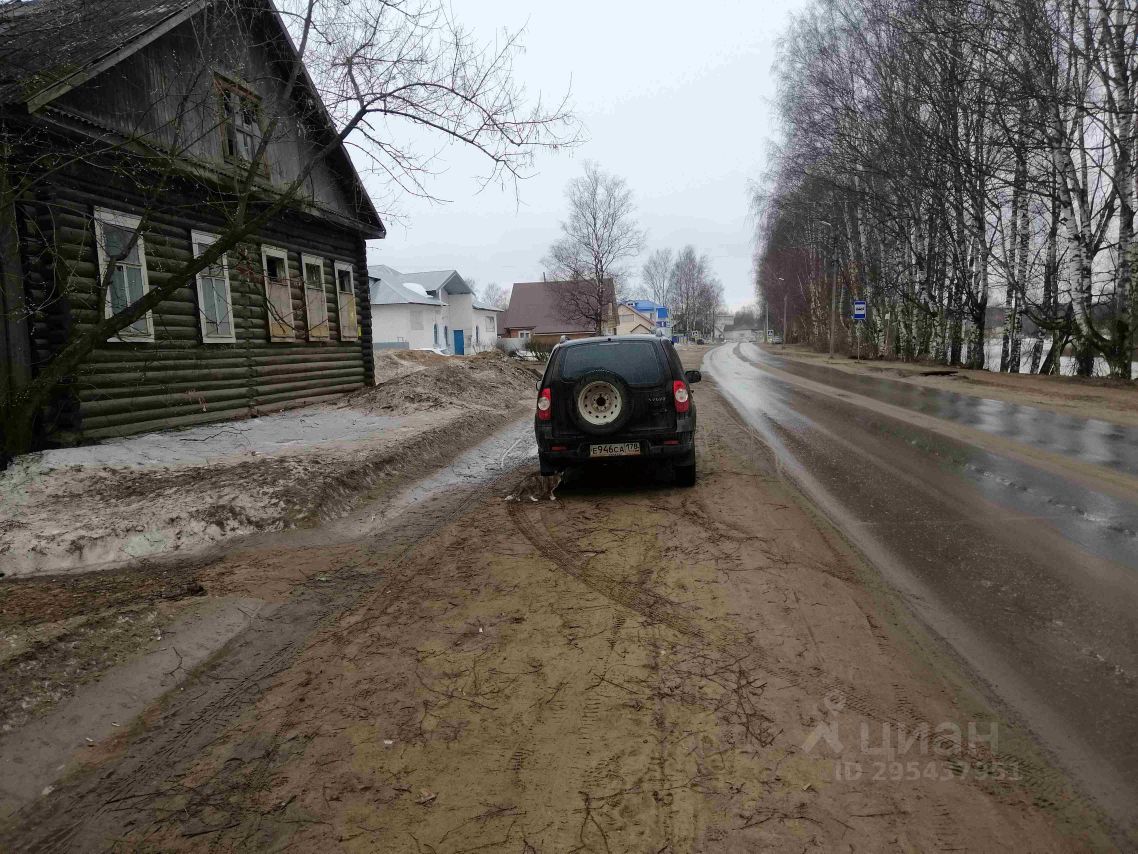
631,667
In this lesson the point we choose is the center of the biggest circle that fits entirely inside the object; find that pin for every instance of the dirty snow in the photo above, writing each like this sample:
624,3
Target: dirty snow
181,490
287,432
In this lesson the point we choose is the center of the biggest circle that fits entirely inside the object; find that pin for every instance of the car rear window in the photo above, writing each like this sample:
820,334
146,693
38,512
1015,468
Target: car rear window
635,361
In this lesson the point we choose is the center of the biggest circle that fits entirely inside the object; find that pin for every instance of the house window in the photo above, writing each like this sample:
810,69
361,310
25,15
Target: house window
215,305
315,298
436,336
446,337
346,302
122,264
240,121
477,334
524,335
278,294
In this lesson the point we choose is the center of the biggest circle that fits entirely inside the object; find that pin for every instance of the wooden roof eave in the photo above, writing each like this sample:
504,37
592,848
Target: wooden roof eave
208,172
44,96
40,98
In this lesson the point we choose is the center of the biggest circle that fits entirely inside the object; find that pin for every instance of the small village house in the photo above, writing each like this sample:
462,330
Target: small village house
540,313
435,310
142,117
633,322
659,314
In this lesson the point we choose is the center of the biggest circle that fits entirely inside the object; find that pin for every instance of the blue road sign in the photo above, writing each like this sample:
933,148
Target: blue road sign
859,309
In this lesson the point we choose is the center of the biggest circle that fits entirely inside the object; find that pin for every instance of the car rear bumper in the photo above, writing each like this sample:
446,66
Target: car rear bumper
559,453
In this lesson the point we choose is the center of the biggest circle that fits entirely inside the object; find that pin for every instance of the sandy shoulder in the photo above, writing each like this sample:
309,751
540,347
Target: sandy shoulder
1101,399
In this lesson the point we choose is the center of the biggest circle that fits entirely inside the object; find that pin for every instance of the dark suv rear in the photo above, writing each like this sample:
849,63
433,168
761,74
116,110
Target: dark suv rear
616,397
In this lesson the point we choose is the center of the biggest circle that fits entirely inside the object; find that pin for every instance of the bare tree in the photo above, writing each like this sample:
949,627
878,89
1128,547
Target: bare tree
656,275
588,304
599,234
385,71
495,296
696,293
939,158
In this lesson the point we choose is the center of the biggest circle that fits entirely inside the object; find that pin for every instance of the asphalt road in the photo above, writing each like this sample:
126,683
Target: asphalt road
1011,531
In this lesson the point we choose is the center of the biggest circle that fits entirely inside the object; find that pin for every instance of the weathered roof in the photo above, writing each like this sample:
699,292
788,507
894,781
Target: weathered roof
387,289
481,306
434,280
431,281
46,42
533,305
48,47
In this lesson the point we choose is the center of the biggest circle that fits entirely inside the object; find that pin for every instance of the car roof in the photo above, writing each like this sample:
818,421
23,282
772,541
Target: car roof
596,339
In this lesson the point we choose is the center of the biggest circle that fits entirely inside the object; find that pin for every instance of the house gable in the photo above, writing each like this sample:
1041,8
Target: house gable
162,86
534,306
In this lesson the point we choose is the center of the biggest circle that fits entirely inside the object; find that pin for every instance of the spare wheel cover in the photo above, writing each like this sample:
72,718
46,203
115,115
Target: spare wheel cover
600,403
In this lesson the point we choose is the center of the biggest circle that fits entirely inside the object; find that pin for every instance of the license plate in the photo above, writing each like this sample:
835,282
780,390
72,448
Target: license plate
622,449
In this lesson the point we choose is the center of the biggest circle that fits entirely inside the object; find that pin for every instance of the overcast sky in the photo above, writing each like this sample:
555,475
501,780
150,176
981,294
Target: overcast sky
676,98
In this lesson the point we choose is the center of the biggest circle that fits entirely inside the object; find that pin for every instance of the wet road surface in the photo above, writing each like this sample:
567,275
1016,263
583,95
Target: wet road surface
1021,554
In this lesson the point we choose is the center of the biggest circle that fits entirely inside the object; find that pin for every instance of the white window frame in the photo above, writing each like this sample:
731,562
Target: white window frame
268,252
205,237
103,216
337,268
524,334
305,260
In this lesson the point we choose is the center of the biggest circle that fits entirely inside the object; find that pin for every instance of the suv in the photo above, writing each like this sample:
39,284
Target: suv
616,397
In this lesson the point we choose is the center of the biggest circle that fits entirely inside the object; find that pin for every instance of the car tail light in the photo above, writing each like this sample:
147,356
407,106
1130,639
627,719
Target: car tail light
682,398
544,405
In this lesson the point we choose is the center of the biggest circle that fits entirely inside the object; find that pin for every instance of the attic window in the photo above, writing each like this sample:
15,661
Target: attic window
240,121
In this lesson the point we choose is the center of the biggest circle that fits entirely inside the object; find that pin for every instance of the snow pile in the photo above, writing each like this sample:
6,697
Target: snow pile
487,381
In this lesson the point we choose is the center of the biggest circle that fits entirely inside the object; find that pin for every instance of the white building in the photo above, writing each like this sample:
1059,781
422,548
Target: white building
434,310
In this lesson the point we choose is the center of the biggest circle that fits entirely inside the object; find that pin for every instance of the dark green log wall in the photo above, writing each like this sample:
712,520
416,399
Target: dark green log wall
178,380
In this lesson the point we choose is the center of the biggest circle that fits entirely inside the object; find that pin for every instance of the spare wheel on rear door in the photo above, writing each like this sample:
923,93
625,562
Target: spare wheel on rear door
601,402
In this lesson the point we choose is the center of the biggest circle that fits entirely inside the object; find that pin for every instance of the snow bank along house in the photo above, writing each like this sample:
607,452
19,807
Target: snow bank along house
435,310
283,320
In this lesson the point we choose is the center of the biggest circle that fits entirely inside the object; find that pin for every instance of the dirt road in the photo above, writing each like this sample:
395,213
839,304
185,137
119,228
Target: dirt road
631,667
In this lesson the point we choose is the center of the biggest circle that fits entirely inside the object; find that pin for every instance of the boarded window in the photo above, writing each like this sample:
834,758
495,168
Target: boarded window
416,319
215,307
122,260
278,294
240,122
346,303
315,298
